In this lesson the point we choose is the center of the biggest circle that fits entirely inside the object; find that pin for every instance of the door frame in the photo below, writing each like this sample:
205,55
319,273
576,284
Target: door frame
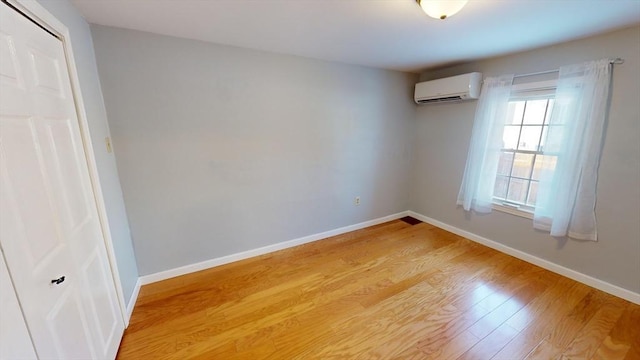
46,20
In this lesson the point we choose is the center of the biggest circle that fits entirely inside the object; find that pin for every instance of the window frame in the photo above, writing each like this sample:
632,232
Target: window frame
525,91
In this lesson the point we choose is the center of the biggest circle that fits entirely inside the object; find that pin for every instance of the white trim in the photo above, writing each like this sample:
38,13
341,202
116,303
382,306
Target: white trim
43,17
132,302
549,85
513,210
182,270
546,264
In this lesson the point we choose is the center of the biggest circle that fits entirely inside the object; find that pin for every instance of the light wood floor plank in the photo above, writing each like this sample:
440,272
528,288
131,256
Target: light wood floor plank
390,291
587,341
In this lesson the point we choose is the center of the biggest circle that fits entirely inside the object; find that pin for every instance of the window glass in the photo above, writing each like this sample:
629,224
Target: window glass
535,112
533,193
500,189
518,189
522,165
530,137
549,108
505,163
516,111
510,137
543,162
522,160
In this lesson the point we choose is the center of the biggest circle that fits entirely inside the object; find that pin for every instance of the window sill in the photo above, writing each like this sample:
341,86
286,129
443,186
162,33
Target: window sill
513,210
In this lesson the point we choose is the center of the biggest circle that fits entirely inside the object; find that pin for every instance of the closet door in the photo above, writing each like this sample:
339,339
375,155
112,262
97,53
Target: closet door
15,342
49,227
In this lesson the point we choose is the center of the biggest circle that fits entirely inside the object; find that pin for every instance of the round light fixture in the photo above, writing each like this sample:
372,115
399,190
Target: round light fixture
441,9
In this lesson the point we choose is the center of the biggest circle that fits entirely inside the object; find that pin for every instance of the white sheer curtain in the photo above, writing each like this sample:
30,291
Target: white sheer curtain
566,199
476,191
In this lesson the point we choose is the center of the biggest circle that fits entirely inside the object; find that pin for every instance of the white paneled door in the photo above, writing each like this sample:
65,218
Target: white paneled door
50,231
15,342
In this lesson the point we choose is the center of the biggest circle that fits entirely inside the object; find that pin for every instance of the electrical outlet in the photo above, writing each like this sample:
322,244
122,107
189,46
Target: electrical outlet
356,201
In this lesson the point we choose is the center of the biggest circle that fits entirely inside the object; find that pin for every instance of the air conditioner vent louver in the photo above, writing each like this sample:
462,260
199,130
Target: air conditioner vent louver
440,100
456,88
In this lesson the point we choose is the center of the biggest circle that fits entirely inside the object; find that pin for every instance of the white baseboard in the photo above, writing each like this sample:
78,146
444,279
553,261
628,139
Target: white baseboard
132,302
559,269
167,274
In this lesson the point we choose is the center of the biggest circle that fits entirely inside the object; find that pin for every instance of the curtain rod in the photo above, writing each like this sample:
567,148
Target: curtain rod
612,61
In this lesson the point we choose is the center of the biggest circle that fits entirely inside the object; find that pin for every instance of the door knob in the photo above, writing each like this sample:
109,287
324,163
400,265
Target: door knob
58,281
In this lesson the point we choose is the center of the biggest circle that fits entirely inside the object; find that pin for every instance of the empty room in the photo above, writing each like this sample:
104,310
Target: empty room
319,179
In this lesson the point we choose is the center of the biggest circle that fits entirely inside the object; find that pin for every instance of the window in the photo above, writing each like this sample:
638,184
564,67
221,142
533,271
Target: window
521,156
539,148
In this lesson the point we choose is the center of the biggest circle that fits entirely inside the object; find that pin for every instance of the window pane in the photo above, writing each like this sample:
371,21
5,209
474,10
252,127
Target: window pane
549,110
543,139
535,111
518,190
553,141
516,108
533,193
510,137
530,137
504,165
543,163
500,189
526,130
522,165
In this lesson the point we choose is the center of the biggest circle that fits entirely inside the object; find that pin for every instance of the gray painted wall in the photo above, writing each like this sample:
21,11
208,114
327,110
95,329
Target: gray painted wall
442,138
223,150
99,129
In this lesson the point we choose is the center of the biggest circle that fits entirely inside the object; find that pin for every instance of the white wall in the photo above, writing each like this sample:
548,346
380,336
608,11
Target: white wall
222,149
442,139
98,127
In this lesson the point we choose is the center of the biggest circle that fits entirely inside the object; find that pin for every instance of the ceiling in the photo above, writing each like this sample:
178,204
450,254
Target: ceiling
390,34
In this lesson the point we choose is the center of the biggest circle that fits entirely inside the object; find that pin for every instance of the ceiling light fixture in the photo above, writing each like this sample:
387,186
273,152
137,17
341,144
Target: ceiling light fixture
441,9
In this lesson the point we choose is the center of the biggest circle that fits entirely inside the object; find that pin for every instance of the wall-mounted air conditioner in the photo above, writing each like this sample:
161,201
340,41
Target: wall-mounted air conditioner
456,88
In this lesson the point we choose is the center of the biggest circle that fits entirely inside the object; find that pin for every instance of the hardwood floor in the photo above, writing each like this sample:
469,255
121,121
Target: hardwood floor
392,291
